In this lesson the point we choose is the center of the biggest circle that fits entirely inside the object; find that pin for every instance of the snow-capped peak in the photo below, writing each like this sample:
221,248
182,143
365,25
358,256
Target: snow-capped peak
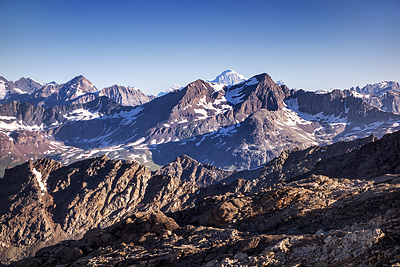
229,77
174,87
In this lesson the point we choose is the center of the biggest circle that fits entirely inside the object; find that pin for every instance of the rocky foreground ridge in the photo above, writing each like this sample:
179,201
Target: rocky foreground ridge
316,222
104,212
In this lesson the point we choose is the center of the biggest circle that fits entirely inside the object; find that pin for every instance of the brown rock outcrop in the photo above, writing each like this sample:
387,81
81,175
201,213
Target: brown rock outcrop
44,203
316,222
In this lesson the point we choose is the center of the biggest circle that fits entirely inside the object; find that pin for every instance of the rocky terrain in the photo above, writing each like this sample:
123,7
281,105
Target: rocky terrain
318,221
108,212
44,202
298,163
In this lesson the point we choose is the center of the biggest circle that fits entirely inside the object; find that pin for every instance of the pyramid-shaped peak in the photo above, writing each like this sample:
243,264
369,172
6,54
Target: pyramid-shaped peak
79,78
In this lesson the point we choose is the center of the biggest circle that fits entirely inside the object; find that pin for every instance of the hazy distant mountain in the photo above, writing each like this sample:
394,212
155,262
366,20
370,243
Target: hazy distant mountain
126,96
77,90
229,77
169,90
378,88
23,86
384,95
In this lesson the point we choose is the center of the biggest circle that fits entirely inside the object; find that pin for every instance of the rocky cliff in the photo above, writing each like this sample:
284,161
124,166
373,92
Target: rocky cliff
44,202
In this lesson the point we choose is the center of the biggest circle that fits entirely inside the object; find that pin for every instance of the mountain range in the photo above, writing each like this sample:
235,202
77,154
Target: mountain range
238,126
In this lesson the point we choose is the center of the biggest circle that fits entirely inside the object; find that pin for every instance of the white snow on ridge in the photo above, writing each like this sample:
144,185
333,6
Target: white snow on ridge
128,116
217,86
203,114
82,115
382,84
19,91
323,92
137,142
319,117
216,106
90,153
79,93
293,118
7,118
182,121
358,95
235,96
12,124
251,81
3,90
41,182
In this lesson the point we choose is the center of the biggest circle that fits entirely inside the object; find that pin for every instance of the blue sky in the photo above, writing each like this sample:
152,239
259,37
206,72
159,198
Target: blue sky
154,44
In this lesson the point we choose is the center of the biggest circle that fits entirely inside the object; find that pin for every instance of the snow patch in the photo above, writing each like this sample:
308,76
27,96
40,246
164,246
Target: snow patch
41,182
235,96
3,90
183,121
293,105
217,86
82,115
358,95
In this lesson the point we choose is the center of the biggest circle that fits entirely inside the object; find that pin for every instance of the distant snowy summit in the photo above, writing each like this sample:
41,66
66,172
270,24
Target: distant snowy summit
280,82
378,88
174,87
229,77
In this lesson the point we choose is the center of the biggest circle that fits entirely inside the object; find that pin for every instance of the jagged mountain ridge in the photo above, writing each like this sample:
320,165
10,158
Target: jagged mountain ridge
240,126
383,95
77,90
378,88
23,86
